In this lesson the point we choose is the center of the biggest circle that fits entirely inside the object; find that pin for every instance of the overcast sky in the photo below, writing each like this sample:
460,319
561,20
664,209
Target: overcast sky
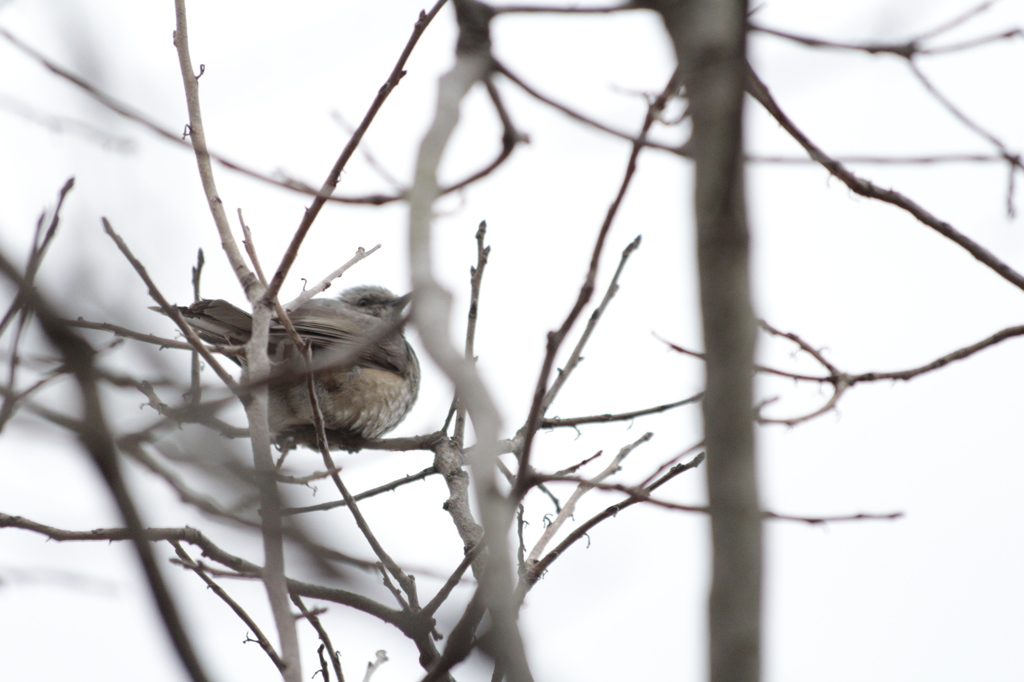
936,595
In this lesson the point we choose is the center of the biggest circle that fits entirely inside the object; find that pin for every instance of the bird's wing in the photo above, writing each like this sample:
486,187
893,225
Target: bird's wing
217,321
329,324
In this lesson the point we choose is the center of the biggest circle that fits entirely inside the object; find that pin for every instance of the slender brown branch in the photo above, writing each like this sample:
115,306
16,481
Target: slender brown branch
906,49
339,165
804,346
962,117
250,249
197,132
841,381
40,245
326,282
187,561
538,9
550,423
595,317
867,189
128,112
641,140
408,585
959,354
581,489
170,310
456,577
195,391
555,338
1013,159
38,252
373,492
97,440
910,48
213,552
476,276
531,576
124,332
920,160
322,634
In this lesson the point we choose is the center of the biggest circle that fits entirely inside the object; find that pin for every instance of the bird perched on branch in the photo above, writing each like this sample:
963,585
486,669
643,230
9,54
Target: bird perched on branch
362,396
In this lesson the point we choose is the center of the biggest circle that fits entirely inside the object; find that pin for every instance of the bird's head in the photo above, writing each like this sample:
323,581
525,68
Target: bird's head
374,300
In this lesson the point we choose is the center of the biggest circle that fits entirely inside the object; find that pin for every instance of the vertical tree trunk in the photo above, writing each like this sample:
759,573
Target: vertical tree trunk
709,38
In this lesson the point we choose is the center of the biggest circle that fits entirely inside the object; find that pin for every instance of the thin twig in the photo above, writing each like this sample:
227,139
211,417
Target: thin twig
197,132
408,584
476,276
170,310
339,165
387,487
527,581
641,140
595,317
581,490
187,561
213,552
554,422
372,666
97,440
456,577
867,189
139,336
554,340
322,633
195,391
326,282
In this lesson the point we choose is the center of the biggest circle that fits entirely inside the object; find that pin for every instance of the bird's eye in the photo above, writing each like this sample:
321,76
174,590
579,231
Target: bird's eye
364,301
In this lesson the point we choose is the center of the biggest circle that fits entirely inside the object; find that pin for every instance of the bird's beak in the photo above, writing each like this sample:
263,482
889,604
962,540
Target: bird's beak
402,301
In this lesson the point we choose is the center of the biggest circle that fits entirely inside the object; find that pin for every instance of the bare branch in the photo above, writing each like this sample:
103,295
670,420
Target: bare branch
476,276
372,666
550,423
213,552
322,634
537,9
137,336
959,354
97,440
570,504
453,580
530,578
909,48
195,391
804,346
867,189
326,282
432,314
187,561
920,160
642,141
408,584
841,381
171,311
595,317
197,133
555,339
332,178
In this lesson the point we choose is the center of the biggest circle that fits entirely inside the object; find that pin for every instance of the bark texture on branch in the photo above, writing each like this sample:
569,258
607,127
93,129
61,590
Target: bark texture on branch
709,37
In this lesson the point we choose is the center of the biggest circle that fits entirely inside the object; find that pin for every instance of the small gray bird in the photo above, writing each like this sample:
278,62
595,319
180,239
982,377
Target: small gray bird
362,401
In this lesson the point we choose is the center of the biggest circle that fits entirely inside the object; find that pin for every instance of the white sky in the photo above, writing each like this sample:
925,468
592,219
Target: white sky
937,595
